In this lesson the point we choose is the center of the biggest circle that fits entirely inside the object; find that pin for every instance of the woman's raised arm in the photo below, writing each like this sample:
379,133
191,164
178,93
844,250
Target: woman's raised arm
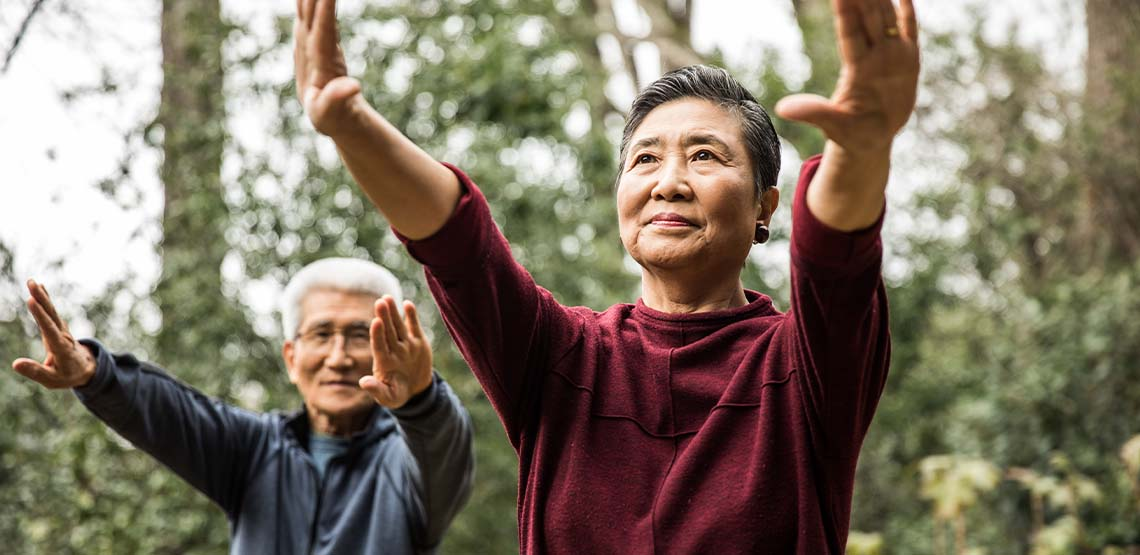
875,95
415,193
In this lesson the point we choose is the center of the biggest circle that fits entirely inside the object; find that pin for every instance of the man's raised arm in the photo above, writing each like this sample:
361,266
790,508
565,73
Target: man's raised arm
875,95
207,443
415,193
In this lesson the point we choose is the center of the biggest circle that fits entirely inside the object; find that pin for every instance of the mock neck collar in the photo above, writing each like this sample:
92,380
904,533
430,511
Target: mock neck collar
759,304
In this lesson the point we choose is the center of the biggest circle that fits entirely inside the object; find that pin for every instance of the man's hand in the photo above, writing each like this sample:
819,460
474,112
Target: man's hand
68,364
875,94
401,355
331,98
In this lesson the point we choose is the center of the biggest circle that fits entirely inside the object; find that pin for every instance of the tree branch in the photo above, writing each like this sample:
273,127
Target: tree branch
20,34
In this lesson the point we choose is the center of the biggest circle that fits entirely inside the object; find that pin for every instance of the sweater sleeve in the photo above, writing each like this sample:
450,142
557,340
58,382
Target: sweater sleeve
839,316
437,430
502,322
207,443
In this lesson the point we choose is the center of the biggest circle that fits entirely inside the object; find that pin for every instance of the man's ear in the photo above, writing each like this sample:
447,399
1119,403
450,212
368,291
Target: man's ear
769,200
288,352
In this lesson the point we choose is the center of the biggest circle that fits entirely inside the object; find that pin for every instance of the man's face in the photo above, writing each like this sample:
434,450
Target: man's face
331,353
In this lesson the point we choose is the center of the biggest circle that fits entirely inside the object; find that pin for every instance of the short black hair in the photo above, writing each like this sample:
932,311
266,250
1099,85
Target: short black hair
715,85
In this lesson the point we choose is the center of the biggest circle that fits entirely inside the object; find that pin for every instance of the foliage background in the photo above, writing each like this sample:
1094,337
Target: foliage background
1012,277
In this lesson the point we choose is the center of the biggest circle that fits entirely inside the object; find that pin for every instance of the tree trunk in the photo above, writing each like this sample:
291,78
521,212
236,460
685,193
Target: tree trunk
192,117
817,27
1112,118
671,32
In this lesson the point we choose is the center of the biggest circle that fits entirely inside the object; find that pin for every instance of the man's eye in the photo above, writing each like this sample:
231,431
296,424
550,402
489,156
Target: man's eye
360,335
322,335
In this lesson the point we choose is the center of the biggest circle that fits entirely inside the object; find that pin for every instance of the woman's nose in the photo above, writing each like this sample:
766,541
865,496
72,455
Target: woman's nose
673,183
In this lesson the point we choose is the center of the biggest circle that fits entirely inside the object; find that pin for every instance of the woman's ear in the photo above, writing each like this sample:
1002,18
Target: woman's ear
769,200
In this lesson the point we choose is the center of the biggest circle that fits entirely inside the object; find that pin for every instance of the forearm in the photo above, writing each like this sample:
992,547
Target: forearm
439,436
415,193
188,432
848,191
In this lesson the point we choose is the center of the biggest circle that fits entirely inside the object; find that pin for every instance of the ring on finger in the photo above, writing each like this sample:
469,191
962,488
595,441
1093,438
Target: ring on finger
892,32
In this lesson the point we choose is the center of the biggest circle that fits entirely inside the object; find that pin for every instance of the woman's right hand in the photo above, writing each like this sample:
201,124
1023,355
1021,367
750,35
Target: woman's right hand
331,98
68,363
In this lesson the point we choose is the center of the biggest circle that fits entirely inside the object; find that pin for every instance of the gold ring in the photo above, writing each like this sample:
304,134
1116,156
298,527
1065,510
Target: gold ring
892,32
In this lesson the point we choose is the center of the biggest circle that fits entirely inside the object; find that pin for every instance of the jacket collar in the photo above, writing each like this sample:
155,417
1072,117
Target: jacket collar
380,424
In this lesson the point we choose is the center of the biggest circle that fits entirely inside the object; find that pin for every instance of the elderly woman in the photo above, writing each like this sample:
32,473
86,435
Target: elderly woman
700,419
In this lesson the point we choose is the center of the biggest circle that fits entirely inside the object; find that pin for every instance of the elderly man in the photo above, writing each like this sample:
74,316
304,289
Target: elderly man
341,476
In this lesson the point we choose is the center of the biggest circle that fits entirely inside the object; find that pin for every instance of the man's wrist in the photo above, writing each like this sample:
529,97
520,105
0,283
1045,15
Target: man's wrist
90,367
418,398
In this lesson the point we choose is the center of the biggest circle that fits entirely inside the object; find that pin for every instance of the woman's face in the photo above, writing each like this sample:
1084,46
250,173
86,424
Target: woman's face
686,196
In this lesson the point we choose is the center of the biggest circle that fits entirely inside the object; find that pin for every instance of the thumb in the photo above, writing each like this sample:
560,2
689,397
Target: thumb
341,88
332,94
33,370
809,108
376,389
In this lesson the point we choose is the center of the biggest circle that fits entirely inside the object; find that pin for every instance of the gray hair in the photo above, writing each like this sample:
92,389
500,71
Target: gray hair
715,85
338,274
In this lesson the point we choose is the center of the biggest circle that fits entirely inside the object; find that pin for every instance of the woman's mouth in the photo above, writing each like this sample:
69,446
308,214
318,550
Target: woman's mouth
670,219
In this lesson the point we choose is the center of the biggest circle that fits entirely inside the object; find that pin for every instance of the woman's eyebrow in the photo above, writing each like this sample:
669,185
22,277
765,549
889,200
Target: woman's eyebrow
705,139
647,141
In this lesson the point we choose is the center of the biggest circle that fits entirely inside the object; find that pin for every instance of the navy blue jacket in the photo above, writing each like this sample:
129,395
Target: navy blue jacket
395,490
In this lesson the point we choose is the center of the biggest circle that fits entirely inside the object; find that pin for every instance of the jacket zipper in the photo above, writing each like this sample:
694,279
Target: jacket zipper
317,511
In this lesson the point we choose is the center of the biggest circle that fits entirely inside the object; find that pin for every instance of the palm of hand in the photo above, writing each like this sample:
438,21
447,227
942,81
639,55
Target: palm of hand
875,96
402,368
877,85
401,355
323,86
67,363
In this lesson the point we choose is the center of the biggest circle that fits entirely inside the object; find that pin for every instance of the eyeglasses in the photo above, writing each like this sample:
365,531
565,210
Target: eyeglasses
357,339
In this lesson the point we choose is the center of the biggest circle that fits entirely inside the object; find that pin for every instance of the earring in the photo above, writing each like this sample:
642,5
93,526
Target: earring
761,234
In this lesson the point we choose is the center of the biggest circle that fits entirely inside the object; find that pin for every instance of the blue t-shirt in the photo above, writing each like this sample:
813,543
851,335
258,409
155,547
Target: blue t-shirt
324,447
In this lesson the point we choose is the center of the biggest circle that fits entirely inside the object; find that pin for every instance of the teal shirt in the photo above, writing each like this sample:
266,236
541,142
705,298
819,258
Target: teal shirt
324,448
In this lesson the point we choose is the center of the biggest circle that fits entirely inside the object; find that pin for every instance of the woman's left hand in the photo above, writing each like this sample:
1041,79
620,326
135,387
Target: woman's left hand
878,80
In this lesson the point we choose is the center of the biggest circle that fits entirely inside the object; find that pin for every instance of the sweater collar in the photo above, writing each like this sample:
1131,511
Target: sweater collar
759,304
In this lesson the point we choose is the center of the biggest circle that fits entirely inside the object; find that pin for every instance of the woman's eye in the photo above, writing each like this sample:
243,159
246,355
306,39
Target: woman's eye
703,155
645,159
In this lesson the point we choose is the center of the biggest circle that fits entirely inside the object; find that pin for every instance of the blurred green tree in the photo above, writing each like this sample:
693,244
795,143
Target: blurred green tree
1013,336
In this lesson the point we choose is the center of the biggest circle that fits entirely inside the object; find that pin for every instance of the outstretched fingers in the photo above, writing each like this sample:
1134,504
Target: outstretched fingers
300,59
305,10
53,337
378,334
908,22
391,323
40,294
412,320
385,329
849,29
875,20
325,41
324,18
393,314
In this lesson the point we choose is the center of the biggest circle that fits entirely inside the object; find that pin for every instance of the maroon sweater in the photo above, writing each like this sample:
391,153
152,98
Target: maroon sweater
637,431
